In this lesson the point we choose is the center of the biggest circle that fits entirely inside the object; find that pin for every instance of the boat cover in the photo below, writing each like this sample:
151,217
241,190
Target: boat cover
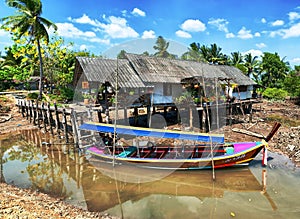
149,132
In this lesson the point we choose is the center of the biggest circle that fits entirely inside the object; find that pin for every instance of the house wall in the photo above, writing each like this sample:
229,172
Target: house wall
161,98
243,95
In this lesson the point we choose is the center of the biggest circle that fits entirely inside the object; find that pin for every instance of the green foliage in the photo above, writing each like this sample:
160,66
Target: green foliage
274,70
66,93
32,96
211,54
292,82
275,94
62,95
184,99
28,23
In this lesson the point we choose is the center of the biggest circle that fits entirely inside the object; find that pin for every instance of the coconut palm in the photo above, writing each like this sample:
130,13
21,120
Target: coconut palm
236,58
161,45
213,54
193,53
251,63
28,21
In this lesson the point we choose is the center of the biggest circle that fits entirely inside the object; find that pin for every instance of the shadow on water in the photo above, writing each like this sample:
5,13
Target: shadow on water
34,160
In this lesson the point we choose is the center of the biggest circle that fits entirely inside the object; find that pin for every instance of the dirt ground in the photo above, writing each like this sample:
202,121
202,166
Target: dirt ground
22,203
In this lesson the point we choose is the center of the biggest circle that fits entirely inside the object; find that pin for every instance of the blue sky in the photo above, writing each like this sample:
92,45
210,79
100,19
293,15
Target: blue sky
102,26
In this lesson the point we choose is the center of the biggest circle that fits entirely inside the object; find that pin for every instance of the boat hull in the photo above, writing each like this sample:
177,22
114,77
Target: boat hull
240,157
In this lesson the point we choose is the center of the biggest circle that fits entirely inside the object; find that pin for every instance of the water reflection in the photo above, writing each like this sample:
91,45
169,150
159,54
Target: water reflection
36,161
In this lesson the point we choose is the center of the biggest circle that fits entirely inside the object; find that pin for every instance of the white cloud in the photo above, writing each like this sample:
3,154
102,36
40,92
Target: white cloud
263,20
244,33
117,28
138,12
183,34
69,30
294,16
257,34
4,33
296,60
82,47
253,52
293,31
5,39
219,23
193,26
277,23
148,34
99,40
260,45
84,20
230,35
124,13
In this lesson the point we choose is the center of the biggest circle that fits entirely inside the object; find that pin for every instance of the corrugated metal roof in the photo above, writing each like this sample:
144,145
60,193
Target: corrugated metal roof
238,77
102,70
139,70
154,69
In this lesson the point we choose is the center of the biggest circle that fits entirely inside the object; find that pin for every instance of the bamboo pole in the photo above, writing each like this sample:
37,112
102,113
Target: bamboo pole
211,146
116,113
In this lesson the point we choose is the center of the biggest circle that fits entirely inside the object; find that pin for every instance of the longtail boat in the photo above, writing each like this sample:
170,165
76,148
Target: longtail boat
199,151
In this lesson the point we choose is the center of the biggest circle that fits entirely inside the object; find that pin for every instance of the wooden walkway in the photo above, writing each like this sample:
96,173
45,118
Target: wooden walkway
64,122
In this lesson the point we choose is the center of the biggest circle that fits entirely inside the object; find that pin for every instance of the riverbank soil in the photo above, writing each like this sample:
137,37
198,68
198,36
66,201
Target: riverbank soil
15,202
265,114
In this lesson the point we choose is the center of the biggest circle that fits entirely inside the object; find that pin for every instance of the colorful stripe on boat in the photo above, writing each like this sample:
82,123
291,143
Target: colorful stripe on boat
149,132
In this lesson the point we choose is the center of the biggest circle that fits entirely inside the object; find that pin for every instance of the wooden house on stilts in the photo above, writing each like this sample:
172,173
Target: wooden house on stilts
160,85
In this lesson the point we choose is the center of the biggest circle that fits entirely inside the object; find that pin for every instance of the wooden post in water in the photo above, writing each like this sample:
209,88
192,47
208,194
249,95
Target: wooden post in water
74,126
33,112
57,123
26,109
19,106
44,116
30,110
50,119
65,124
22,108
38,113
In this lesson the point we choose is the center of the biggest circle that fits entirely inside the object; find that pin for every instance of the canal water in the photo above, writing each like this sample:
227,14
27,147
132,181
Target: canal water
33,160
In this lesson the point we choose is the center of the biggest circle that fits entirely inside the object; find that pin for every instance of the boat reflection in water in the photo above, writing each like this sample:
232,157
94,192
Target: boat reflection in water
121,189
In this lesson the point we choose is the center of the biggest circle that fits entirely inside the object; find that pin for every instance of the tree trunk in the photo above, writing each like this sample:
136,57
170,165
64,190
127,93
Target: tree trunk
41,70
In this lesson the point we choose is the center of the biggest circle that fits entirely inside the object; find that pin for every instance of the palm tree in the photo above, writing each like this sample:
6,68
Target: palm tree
236,58
251,63
28,20
161,45
193,53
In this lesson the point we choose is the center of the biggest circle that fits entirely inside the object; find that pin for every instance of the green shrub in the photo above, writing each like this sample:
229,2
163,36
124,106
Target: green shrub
32,96
275,94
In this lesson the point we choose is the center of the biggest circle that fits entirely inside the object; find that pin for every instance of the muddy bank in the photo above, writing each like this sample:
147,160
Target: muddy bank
287,139
23,203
